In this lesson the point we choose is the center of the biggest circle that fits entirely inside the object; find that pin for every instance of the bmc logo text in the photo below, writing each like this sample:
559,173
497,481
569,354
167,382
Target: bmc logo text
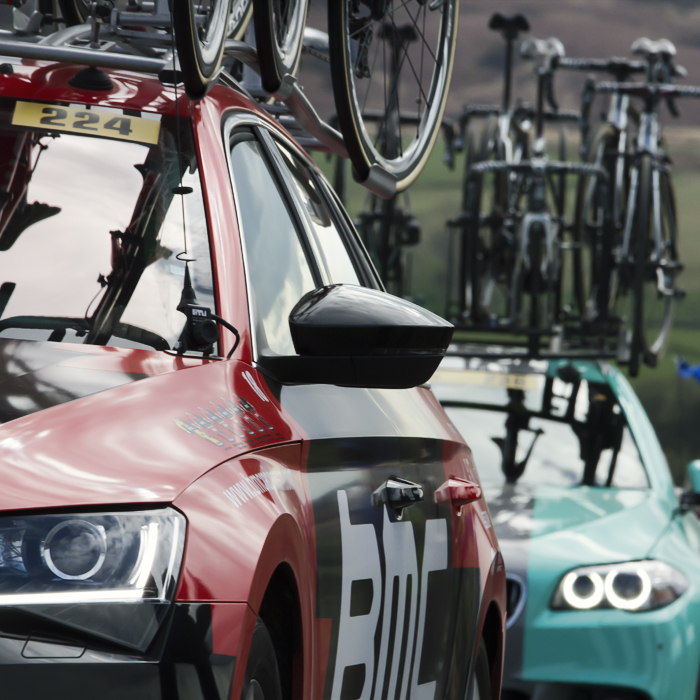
356,635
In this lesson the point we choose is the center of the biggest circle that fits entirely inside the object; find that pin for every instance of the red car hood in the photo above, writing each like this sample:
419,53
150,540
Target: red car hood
86,425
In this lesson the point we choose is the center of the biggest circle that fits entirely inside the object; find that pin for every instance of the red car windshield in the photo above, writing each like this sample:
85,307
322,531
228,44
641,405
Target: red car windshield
91,227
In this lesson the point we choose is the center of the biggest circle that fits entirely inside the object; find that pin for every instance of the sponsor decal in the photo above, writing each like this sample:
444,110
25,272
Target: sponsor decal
357,632
87,121
256,485
227,424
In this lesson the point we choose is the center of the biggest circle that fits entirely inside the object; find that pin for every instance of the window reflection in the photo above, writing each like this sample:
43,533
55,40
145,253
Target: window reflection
278,270
89,231
558,434
326,235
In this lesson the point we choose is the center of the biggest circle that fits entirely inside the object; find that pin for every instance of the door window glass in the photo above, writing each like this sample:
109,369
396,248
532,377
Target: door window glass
277,267
328,239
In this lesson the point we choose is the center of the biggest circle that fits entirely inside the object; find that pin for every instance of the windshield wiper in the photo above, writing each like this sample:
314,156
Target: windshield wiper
60,324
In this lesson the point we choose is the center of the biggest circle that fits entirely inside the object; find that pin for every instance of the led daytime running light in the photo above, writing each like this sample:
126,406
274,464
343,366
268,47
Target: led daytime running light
628,603
577,601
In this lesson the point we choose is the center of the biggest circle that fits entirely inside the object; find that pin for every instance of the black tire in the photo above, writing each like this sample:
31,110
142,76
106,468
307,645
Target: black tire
200,49
279,34
416,34
480,681
493,257
589,242
262,677
653,311
75,11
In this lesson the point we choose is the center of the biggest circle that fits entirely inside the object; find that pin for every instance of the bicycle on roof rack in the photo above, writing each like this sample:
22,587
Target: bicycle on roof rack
387,227
510,258
200,32
631,267
609,147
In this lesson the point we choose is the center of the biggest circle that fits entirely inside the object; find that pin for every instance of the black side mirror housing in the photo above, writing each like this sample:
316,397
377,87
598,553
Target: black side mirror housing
357,337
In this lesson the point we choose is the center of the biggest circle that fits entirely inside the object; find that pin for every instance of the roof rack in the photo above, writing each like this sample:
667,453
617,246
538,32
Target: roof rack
101,47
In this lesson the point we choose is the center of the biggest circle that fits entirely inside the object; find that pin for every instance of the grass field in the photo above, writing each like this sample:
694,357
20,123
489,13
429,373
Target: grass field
672,403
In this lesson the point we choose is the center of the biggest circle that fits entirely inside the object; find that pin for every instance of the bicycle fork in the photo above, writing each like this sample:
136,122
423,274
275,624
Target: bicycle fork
538,258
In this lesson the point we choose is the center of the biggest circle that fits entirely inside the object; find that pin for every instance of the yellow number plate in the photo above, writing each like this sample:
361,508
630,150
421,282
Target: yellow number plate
526,382
92,122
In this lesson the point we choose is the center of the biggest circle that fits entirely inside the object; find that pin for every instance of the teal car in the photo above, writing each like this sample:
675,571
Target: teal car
602,554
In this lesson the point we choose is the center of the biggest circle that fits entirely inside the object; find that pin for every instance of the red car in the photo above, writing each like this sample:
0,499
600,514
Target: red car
219,476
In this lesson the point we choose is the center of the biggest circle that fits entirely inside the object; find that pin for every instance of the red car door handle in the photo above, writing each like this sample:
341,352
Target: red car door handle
458,492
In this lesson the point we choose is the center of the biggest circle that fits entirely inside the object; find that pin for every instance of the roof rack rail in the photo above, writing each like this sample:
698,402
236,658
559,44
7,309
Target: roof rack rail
56,47
86,57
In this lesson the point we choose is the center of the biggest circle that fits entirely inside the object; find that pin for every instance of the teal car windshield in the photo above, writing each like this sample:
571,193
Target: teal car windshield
537,430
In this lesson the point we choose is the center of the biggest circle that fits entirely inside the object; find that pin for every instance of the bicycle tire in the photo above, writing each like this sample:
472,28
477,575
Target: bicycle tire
352,30
652,322
492,264
200,49
279,34
75,12
589,243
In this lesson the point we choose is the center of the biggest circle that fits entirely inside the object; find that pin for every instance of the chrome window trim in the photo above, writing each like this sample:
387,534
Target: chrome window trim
235,119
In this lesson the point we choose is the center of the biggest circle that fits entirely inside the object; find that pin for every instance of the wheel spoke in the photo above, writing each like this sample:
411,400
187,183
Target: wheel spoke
413,70
415,24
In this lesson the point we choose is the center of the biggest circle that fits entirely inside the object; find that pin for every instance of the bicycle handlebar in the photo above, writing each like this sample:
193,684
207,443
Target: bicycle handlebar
529,166
660,90
616,66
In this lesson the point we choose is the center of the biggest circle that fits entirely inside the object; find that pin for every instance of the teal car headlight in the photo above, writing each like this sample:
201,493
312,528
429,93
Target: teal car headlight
109,574
634,586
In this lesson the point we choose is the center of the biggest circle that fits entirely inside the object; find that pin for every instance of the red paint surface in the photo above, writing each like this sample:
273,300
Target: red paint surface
124,446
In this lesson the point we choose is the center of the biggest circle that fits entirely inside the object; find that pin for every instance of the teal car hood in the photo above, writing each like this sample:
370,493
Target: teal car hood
575,526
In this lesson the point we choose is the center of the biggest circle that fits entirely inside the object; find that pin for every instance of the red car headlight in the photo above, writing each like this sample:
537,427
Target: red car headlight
82,569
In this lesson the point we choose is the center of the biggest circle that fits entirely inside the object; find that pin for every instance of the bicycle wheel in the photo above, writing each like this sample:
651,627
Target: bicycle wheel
239,18
75,11
492,268
656,258
384,58
589,243
200,37
279,33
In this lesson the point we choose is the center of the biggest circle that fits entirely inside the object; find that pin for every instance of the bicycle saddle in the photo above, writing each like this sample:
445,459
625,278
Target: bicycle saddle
646,47
543,51
510,25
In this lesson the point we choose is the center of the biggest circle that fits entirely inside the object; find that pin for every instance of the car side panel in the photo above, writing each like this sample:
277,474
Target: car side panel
441,559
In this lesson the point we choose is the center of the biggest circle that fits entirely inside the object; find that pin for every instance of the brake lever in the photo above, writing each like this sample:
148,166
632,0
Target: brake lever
448,134
549,88
673,107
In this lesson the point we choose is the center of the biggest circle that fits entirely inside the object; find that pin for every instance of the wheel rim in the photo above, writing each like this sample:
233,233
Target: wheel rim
416,43
211,33
658,308
238,18
288,18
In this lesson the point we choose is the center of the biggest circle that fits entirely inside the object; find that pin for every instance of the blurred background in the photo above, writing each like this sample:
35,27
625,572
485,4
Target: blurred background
588,29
